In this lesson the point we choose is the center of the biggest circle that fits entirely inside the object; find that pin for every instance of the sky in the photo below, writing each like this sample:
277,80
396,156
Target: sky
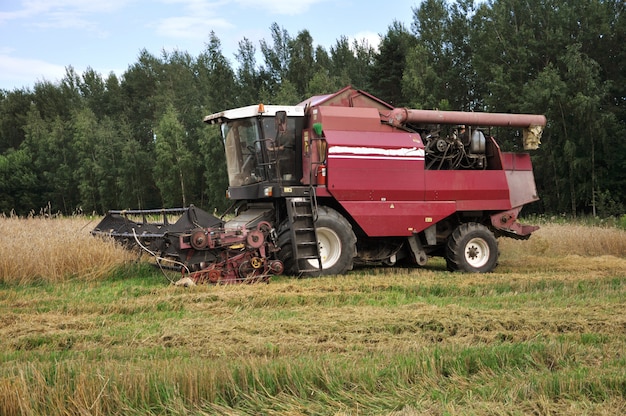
39,39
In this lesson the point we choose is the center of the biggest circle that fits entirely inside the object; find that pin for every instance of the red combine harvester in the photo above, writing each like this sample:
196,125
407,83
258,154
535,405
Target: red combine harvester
346,179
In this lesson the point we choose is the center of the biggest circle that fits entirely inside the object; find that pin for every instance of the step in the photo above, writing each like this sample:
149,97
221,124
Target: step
308,258
297,216
307,243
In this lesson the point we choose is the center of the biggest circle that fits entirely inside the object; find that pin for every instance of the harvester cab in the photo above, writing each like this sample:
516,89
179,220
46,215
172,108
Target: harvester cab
262,145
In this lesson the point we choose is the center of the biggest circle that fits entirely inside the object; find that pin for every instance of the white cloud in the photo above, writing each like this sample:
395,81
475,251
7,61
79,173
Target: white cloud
83,6
281,7
188,27
23,72
62,13
196,18
372,39
16,71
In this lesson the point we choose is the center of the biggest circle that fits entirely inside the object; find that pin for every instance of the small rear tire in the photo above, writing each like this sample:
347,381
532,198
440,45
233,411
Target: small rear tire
472,248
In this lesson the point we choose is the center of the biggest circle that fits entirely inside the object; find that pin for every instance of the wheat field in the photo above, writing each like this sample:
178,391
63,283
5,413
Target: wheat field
56,249
544,334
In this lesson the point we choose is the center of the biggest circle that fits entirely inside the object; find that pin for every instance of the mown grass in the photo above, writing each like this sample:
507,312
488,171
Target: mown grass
544,334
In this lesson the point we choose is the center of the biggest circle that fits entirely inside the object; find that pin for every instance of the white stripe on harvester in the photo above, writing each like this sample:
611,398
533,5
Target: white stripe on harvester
411,153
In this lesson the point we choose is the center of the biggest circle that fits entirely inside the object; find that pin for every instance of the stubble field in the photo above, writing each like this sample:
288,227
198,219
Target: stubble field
86,329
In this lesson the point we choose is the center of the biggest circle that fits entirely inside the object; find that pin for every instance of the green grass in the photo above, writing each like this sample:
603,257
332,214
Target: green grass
377,341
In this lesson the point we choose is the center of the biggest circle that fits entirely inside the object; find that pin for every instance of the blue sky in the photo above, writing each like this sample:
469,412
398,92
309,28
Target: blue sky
40,38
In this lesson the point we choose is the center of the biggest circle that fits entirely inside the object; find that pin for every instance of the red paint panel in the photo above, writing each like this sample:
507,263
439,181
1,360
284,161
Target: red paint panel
516,161
388,139
370,166
523,188
379,179
473,190
399,218
375,180
520,178
348,119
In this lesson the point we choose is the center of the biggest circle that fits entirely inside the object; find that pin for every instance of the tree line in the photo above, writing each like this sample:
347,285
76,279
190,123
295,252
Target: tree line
89,143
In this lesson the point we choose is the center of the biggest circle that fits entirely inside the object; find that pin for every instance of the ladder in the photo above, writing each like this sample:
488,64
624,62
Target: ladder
302,213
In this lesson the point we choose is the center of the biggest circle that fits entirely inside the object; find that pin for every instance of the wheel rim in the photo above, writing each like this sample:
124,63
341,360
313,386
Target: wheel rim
477,252
329,245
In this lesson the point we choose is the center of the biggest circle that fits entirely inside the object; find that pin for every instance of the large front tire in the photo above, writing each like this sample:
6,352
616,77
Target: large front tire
472,248
336,241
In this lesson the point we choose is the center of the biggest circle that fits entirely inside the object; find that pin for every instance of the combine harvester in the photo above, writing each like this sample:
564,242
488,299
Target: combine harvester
345,179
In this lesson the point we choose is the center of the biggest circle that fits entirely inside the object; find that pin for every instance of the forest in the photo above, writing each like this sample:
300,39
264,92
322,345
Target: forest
93,142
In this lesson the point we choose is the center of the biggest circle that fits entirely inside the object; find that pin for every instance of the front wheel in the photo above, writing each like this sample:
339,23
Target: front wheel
336,242
472,248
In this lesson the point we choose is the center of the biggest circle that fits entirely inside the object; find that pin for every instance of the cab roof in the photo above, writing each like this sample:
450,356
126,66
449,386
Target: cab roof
254,111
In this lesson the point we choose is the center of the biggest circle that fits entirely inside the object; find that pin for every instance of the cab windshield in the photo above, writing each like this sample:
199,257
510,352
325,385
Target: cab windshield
258,150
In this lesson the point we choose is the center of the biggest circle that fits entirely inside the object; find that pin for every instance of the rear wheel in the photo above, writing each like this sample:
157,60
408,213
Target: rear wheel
472,248
336,242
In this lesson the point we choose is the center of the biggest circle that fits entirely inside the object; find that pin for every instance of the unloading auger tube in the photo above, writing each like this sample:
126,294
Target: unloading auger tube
532,124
